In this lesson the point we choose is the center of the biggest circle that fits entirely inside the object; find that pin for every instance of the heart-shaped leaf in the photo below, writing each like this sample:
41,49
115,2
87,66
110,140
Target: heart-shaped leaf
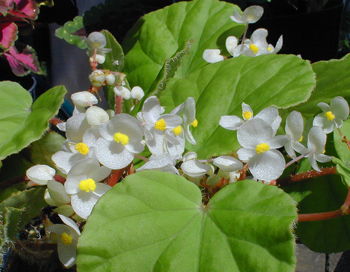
159,35
220,89
156,221
22,123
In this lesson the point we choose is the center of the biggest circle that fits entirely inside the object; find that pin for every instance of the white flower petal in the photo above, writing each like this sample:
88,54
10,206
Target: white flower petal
190,156
40,174
84,99
67,254
227,163
83,203
113,155
323,158
69,222
253,13
76,126
324,107
267,166
230,122
99,173
101,189
231,44
277,141
254,132
295,125
212,55
340,107
65,160
151,110
194,168
96,116
137,93
58,192
278,45
316,140
245,154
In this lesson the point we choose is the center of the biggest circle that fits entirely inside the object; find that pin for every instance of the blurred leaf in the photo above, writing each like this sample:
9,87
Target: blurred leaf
68,32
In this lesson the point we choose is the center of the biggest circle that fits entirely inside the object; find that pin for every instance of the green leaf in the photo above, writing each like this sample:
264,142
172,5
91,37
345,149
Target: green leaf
332,80
341,148
116,55
156,221
220,89
327,194
20,122
42,150
159,35
68,32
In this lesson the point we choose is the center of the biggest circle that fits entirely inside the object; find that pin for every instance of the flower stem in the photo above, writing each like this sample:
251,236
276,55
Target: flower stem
294,160
308,175
118,104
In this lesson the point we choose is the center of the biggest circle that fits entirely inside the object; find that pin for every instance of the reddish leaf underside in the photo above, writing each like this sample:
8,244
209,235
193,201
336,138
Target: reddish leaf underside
25,9
8,35
22,63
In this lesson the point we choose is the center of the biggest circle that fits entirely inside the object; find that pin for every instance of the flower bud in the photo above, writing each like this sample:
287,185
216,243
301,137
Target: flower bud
123,92
84,99
97,78
100,58
40,174
96,40
110,79
137,93
96,116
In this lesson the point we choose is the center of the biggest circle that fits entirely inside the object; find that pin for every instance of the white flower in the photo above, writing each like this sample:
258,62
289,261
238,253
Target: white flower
55,194
257,44
269,115
294,129
100,58
164,163
67,240
249,16
40,174
188,112
229,167
232,46
83,184
84,99
97,78
137,93
193,167
212,55
259,143
121,139
122,91
333,115
316,143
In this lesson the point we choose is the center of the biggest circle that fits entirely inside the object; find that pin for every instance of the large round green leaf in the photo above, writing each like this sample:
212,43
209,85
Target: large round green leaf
21,122
220,89
159,35
332,80
156,221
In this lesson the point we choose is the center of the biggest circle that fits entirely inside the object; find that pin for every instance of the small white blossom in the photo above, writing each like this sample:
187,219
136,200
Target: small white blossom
232,46
84,187
100,58
96,40
40,174
259,145
212,55
67,240
333,115
110,79
249,16
96,116
137,93
164,163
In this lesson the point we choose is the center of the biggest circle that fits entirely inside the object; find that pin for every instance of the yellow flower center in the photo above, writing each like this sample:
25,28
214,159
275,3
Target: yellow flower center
121,138
261,148
329,115
269,48
247,115
87,185
66,238
177,131
194,123
160,124
82,148
301,138
254,48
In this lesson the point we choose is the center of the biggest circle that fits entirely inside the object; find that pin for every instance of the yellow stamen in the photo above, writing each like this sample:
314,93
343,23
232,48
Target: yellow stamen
177,131
194,123
261,148
87,185
329,115
160,124
301,138
269,48
254,48
247,115
66,238
82,148
121,138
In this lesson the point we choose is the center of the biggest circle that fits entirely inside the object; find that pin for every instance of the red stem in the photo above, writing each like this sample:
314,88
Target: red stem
118,104
308,217
308,175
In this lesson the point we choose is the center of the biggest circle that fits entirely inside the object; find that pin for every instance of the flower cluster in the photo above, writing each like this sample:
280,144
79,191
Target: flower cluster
255,46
